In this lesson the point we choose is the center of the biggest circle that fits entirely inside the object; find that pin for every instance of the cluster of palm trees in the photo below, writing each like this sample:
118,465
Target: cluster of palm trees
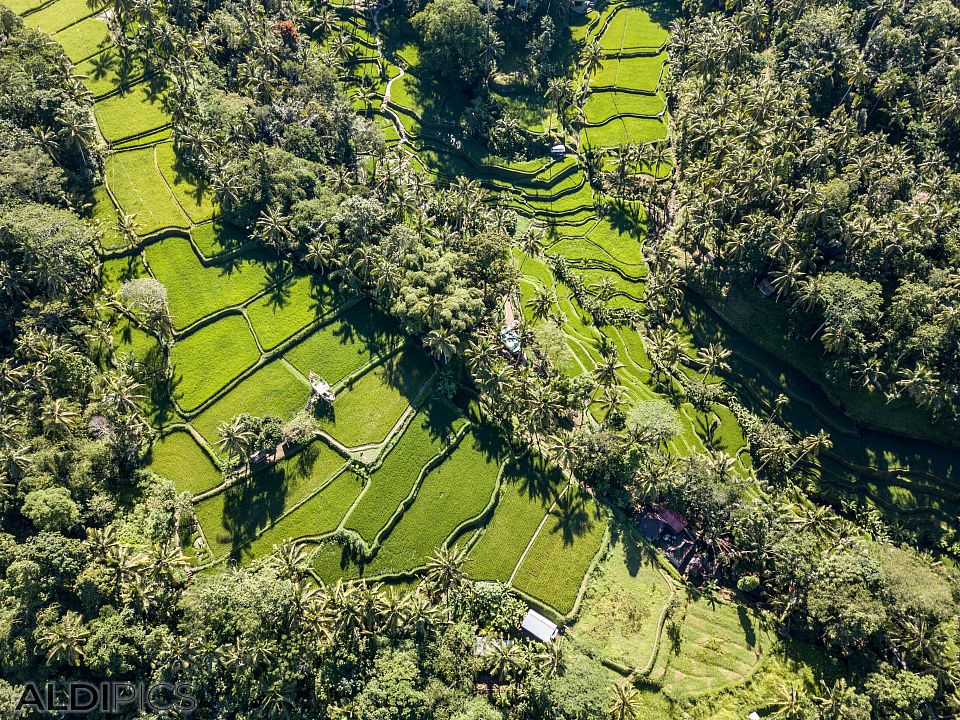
794,196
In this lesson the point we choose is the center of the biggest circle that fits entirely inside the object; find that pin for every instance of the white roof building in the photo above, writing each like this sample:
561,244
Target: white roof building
540,627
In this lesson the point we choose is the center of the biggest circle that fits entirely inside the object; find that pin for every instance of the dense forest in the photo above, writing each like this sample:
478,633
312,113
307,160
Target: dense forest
812,145
817,151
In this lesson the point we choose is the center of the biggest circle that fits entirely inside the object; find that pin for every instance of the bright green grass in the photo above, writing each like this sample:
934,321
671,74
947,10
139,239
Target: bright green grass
392,482
138,187
273,389
632,28
526,493
291,306
59,15
22,6
84,39
562,552
115,272
621,610
625,245
109,70
592,276
357,336
194,291
104,212
178,458
132,112
365,412
331,563
210,358
720,644
635,73
457,490
213,238
621,131
320,514
232,518
601,106
198,202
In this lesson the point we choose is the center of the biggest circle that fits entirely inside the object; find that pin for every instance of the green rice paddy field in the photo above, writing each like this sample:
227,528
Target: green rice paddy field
406,470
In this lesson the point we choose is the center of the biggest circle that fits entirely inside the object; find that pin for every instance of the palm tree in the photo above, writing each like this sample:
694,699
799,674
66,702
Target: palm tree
551,657
812,445
290,558
531,243
235,440
626,703
542,303
64,641
558,94
564,449
442,344
792,704
273,228
712,359
58,417
444,571
591,59
605,373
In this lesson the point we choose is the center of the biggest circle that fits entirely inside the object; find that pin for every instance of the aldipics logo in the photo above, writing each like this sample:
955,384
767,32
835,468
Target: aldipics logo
109,698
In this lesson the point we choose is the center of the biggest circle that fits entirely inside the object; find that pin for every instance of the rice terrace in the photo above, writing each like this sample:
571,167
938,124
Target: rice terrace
508,338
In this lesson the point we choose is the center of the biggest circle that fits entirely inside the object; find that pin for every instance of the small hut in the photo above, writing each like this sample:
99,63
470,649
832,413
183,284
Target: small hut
321,389
540,627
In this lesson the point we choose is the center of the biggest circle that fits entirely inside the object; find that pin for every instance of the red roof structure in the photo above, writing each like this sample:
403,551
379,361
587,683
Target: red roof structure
674,521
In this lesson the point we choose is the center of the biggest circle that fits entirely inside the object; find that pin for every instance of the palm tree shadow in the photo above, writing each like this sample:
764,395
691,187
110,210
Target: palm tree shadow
256,503
573,517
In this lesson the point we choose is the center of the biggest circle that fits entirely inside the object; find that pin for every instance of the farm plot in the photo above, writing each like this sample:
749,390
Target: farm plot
622,130
456,491
369,408
134,111
562,551
356,337
24,6
210,358
320,514
273,389
602,106
632,29
718,645
133,179
527,491
178,458
641,74
194,290
195,200
232,518
392,483
620,616
61,14
290,306
84,39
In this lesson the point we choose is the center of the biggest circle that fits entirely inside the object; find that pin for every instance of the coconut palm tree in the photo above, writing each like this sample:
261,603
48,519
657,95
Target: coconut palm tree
591,59
793,703
626,703
235,440
442,344
542,303
64,641
273,228
712,359
605,373
444,570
